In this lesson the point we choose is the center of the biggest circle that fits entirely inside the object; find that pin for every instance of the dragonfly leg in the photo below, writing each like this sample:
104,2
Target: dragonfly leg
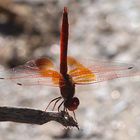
52,101
56,103
64,109
74,116
60,106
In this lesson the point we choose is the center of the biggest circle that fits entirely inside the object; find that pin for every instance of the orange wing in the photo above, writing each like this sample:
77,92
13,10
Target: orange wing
80,72
98,71
35,72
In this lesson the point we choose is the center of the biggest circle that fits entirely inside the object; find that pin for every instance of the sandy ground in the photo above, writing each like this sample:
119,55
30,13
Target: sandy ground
104,30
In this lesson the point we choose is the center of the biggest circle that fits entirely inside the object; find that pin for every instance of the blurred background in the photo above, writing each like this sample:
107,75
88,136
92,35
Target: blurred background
101,29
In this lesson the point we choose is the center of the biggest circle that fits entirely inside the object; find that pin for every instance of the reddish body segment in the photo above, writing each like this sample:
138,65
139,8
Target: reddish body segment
64,43
67,86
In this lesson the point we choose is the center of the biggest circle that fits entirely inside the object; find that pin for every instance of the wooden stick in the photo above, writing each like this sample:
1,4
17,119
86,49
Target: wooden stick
32,116
64,42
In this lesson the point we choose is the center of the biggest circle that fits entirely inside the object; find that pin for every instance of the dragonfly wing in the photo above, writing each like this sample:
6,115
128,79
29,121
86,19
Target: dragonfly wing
99,71
97,65
103,76
79,72
34,72
37,81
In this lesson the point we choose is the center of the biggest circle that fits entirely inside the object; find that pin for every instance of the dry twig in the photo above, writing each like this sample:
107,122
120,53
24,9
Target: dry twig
32,116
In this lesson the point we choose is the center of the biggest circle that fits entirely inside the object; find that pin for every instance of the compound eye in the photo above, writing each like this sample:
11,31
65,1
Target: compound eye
73,104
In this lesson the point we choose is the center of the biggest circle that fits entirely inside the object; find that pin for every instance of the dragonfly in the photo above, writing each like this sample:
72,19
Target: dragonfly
73,72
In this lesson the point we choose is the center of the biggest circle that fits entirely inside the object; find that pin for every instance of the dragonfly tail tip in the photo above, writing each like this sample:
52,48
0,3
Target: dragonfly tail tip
65,9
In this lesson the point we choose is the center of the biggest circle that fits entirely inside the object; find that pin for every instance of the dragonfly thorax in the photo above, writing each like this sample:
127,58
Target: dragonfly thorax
67,87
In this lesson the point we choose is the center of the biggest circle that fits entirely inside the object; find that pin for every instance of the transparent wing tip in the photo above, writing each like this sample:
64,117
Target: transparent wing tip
19,84
130,68
2,78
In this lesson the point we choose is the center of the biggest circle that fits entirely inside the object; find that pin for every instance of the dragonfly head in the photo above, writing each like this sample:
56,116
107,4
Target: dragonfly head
72,104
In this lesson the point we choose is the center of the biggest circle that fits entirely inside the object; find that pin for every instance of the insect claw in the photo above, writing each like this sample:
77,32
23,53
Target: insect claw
77,127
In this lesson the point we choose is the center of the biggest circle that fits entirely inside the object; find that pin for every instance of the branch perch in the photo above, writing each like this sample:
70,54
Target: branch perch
32,116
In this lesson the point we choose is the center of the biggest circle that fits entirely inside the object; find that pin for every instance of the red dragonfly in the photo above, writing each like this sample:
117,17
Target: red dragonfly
73,72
